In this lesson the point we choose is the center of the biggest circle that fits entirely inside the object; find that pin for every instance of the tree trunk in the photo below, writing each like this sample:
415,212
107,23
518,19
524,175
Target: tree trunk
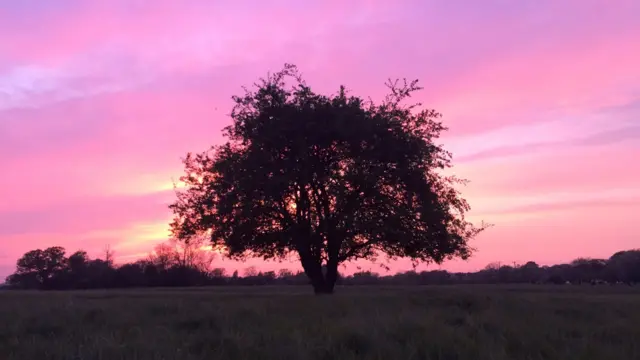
315,275
320,287
331,276
324,282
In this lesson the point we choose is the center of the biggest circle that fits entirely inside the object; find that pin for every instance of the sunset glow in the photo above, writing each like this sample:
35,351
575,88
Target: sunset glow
99,100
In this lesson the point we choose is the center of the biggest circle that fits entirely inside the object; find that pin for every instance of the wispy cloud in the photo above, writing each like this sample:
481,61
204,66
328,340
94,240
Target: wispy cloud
548,201
87,214
604,138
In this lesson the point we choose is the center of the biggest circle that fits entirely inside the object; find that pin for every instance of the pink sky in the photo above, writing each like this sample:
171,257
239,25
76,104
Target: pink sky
99,100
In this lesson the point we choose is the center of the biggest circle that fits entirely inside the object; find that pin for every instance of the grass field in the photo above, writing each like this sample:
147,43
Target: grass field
457,322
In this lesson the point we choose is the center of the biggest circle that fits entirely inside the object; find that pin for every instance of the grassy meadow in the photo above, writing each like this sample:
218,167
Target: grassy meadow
445,322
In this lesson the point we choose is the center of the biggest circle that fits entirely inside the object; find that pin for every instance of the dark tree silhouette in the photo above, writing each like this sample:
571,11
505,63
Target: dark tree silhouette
624,266
164,256
76,272
78,261
39,266
329,178
80,272
192,252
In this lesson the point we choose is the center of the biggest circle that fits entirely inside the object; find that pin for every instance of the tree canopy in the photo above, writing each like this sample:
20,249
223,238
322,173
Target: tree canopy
39,266
331,178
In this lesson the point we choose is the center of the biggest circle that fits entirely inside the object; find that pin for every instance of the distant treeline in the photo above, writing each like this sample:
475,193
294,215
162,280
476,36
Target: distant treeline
175,265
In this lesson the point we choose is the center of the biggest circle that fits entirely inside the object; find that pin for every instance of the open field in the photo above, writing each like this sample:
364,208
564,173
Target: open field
447,322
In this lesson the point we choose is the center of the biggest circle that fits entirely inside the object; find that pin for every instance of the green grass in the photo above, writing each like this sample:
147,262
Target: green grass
457,322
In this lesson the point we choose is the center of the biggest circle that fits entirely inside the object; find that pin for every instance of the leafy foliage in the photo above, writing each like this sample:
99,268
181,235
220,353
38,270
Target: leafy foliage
329,178
39,266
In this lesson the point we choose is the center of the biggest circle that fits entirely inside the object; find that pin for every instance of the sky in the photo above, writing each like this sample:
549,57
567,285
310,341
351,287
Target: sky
99,101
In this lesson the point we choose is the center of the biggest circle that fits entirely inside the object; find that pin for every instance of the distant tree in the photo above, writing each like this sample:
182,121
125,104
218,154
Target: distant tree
365,278
101,273
250,271
560,274
164,256
108,255
436,277
78,261
23,281
218,272
133,275
193,252
506,274
624,266
588,270
40,266
285,273
329,178
530,272
76,273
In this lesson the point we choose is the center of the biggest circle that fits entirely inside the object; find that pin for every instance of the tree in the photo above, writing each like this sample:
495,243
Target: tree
164,256
193,252
624,266
76,274
530,272
101,272
41,265
329,178
108,255
133,274
285,273
250,271
588,270
219,273
78,261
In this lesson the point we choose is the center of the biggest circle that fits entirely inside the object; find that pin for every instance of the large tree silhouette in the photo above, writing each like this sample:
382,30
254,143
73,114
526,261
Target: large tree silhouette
329,178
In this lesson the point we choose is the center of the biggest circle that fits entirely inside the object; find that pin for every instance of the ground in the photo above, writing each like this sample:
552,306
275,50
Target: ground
446,322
